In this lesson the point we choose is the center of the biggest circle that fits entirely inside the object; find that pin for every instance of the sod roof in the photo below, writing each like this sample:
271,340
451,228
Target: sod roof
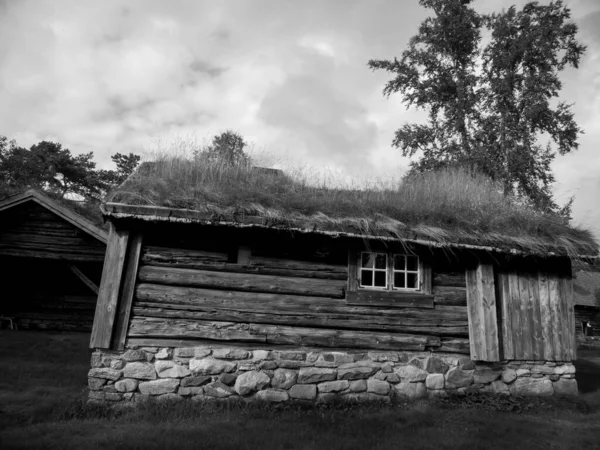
451,208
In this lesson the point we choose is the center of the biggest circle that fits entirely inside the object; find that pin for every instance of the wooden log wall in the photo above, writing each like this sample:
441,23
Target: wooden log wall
538,320
30,230
191,294
587,314
54,299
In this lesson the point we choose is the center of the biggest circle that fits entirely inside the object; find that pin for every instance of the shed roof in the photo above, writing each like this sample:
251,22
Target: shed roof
447,209
43,200
586,288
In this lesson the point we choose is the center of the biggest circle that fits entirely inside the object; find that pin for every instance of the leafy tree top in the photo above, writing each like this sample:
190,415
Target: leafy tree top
489,106
49,167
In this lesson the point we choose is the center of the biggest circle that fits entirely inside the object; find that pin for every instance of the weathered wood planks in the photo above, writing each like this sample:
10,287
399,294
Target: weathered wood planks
450,295
32,230
242,282
215,261
481,307
50,254
84,279
127,291
272,334
389,299
108,295
290,309
537,318
456,279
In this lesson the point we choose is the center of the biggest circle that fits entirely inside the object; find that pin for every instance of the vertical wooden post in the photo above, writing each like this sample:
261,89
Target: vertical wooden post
554,299
108,295
426,277
352,271
127,291
546,316
481,308
526,312
572,325
536,332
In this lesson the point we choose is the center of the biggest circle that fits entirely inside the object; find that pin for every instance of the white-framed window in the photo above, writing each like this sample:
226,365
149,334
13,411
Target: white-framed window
406,272
389,271
373,270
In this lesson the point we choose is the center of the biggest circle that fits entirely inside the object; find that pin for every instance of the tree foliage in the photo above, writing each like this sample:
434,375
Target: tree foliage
228,147
49,167
489,106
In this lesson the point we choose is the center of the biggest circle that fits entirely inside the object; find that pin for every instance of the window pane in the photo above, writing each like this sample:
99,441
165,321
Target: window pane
367,260
380,261
380,278
399,262
411,280
366,278
399,280
412,263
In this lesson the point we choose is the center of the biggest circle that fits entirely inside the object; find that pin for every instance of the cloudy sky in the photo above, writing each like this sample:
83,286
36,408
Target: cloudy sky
290,76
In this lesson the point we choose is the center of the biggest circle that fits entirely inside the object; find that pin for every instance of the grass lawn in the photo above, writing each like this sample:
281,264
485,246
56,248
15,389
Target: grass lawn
42,382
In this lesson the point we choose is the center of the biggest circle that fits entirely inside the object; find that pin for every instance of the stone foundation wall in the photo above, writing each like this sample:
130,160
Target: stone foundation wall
205,373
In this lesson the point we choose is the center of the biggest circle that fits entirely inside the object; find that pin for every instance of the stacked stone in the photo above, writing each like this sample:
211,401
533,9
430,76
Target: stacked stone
204,373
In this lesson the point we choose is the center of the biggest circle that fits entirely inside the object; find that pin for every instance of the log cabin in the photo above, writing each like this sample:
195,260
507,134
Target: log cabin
586,299
258,301
51,263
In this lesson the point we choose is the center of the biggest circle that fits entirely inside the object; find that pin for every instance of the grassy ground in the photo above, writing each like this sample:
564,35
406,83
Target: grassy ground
42,380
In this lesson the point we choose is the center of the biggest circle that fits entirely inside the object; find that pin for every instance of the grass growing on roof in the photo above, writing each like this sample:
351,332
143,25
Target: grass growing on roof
448,206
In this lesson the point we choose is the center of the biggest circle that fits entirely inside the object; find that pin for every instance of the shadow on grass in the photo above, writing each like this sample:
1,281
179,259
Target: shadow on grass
472,421
588,369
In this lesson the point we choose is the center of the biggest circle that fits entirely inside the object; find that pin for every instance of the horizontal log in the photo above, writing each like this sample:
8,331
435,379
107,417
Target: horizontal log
450,295
50,247
46,254
63,315
59,297
271,334
184,257
44,239
342,321
242,282
457,279
389,299
205,343
454,346
204,299
201,260
44,231
91,307
180,343
293,264
42,224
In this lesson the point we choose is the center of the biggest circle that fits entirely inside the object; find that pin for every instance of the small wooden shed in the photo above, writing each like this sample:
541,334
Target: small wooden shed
586,293
51,263
312,311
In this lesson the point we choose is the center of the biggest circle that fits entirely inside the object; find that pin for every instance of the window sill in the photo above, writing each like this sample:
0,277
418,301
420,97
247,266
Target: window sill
364,297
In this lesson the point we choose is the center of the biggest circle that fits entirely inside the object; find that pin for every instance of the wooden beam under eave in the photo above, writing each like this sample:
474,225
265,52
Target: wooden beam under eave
129,278
108,295
89,283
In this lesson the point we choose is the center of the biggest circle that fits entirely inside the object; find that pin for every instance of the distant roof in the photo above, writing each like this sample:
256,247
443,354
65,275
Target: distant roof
586,288
70,216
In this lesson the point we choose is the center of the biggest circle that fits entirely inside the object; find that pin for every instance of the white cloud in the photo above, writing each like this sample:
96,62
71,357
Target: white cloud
290,76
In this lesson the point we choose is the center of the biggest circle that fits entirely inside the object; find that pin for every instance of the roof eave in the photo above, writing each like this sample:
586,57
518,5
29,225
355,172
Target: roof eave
75,219
175,215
